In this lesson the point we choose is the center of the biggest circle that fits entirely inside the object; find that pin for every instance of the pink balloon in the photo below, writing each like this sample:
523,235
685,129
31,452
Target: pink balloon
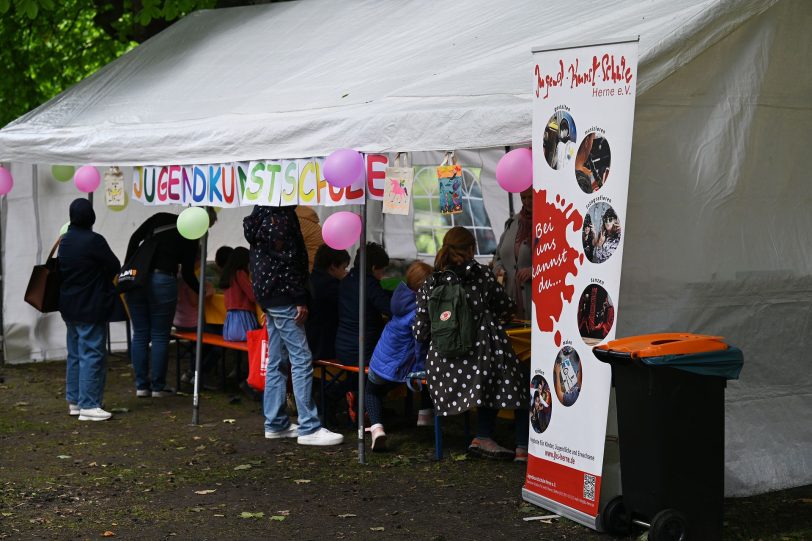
87,178
514,172
343,167
6,181
341,230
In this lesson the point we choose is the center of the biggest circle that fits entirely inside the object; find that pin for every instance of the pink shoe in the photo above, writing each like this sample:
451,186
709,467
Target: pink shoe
378,437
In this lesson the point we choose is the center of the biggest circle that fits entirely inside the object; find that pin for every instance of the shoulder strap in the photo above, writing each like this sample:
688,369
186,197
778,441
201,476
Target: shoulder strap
56,245
163,228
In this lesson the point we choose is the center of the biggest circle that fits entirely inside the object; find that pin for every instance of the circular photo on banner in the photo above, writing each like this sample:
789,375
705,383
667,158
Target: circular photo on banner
596,314
601,232
559,140
592,163
567,376
541,404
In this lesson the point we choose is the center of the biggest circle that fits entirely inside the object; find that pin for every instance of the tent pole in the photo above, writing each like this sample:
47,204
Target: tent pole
362,304
511,210
201,302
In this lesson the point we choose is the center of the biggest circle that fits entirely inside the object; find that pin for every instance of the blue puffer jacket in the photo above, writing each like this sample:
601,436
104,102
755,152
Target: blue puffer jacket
397,352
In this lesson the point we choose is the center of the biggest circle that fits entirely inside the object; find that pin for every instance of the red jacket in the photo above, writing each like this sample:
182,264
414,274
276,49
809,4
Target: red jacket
240,294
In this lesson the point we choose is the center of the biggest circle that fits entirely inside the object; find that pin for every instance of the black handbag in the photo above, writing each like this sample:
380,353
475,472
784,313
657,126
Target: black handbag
135,271
43,287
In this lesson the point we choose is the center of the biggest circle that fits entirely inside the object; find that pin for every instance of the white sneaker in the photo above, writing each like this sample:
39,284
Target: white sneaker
94,414
73,409
143,393
163,393
322,436
290,432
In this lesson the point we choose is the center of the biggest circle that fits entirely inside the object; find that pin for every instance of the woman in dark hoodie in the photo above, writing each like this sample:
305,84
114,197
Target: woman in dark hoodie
86,298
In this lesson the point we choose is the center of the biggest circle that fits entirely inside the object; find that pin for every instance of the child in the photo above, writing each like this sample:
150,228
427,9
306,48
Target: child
397,353
377,306
239,297
329,268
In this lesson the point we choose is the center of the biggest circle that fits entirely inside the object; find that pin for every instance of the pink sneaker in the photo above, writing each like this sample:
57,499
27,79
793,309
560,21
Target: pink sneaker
378,437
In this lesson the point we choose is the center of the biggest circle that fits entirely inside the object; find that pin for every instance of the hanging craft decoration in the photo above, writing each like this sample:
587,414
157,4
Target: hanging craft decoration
397,192
114,193
449,178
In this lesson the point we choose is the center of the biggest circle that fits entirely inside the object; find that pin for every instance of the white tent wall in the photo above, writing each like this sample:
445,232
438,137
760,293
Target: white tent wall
717,233
715,236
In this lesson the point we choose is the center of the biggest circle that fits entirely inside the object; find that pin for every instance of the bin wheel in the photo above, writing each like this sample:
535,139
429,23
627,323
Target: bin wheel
616,519
669,525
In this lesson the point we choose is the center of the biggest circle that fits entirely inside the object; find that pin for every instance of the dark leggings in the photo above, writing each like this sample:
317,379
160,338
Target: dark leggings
376,390
486,420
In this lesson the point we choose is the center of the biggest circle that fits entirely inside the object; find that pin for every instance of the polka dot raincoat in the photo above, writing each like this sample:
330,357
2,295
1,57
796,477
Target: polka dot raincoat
488,375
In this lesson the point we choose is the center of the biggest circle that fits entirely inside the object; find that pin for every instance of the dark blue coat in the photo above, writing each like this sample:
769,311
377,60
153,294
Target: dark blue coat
322,322
88,267
377,306
397,352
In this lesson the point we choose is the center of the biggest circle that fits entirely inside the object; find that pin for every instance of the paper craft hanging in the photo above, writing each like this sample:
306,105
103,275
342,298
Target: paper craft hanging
114,195
449,178
397,191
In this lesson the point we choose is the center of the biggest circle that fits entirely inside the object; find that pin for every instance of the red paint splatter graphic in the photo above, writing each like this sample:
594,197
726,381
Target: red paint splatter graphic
553,258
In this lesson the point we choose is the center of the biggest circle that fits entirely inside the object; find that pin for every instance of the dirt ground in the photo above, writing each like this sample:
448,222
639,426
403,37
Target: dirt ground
149,474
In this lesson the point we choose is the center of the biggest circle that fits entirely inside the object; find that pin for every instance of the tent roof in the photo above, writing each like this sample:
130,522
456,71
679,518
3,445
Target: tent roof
302,78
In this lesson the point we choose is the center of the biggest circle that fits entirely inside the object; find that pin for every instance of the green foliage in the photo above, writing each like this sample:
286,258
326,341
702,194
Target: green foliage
48,45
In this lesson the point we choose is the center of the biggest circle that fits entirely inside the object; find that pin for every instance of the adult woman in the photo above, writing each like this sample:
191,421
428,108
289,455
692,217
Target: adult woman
512,260
86,299
152,306
487,377
608,238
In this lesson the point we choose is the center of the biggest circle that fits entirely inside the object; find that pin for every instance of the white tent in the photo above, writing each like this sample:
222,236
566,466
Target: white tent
715,234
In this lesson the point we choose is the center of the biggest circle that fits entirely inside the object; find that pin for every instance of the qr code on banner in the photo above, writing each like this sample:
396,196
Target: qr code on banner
589,487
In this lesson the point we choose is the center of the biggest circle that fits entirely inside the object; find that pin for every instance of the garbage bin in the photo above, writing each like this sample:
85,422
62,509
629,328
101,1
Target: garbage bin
671,420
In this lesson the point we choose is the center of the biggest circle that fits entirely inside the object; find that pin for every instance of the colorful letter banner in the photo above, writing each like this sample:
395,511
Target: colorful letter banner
262,182
583,113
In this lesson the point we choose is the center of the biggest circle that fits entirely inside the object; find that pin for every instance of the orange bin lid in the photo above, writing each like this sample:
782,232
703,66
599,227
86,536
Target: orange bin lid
662,344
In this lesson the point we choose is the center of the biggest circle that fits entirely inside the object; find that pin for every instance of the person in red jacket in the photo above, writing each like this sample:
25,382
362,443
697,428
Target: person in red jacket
239,297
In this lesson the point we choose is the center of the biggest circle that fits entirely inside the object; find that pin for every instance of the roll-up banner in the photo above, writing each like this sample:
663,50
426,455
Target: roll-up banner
583,112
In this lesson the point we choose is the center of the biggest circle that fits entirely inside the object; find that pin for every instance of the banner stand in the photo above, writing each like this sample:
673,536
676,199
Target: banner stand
583,117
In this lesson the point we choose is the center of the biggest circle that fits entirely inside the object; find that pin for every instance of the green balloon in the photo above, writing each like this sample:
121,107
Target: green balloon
193,223
64,229
63,173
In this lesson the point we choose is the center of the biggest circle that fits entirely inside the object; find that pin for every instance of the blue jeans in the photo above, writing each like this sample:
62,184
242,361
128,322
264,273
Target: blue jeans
282,330
152,309
86,369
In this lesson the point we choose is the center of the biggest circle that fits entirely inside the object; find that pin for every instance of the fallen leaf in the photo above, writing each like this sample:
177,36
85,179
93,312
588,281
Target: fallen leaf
216,515
63,456
377,529
459,457
246,514
108,533
195,509
284,513
301,481
18,404
278,517
230,421
6,514
243,467
207,491
347,515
